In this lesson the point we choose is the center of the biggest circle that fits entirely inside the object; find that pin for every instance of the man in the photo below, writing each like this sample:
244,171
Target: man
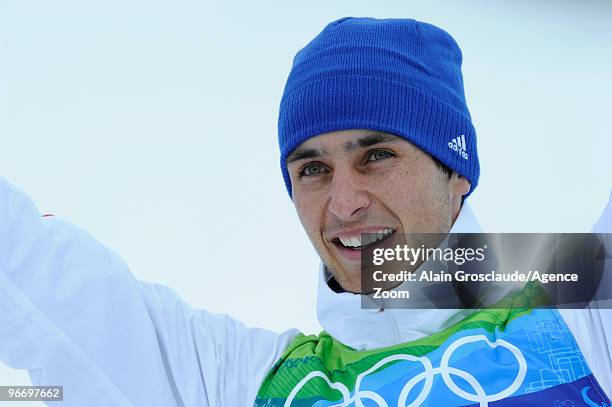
375,136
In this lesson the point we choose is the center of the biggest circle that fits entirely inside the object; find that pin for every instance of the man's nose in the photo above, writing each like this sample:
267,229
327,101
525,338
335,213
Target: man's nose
348,196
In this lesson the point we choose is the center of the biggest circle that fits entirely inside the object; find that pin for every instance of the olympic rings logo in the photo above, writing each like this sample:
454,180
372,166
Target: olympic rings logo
479,395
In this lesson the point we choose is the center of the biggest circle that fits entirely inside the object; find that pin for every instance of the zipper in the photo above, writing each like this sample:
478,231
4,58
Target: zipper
392,325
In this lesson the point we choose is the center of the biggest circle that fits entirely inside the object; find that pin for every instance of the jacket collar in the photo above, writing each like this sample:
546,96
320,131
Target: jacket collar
341,315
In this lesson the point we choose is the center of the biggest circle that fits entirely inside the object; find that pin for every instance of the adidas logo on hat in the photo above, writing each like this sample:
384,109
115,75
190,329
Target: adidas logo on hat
458,144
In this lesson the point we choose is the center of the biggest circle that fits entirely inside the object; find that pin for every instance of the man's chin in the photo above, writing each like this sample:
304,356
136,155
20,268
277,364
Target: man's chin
349,280
351,286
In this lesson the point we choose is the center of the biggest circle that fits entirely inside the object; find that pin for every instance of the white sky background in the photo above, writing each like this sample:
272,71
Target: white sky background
152,125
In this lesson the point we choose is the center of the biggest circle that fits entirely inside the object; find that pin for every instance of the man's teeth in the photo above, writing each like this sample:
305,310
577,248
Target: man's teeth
369,238
353,241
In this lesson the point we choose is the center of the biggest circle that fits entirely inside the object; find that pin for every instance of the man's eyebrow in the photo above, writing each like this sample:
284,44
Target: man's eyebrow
370,140
303,153
362,142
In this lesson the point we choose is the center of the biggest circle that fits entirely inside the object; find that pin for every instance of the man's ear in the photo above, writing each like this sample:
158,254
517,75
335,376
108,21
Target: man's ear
459,185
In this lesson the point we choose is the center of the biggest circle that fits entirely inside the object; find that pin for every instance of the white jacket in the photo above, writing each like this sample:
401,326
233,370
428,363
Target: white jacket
73,315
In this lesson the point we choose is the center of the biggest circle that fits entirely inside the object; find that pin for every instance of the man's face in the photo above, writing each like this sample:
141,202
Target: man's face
350,182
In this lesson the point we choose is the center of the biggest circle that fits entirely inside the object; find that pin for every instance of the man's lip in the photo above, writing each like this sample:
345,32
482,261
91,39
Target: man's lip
348,254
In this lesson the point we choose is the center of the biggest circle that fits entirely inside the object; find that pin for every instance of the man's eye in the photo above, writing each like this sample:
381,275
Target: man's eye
313,169
379,155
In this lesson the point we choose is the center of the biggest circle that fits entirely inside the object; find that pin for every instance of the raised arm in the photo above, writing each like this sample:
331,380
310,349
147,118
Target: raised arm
73,315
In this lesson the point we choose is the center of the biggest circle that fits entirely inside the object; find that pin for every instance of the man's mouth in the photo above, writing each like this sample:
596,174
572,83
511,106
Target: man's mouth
363,240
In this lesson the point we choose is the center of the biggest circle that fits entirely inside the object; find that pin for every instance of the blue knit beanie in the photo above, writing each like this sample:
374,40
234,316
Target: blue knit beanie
397,76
